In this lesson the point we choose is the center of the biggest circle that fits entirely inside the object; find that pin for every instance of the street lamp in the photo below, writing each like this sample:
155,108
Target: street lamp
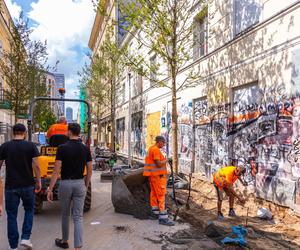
129,120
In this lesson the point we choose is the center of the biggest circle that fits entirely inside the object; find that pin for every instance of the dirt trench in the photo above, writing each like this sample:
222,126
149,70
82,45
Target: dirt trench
283,232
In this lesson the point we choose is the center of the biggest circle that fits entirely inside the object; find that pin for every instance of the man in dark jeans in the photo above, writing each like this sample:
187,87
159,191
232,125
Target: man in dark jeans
21,159
71,161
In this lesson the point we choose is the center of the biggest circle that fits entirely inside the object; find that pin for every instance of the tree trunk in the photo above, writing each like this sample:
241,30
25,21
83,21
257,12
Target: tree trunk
174,126
16,111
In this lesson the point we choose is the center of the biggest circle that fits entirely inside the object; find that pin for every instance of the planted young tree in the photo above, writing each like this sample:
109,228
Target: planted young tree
93,80
163,28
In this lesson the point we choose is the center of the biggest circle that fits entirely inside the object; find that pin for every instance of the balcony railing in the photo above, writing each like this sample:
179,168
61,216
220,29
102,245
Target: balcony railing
4,99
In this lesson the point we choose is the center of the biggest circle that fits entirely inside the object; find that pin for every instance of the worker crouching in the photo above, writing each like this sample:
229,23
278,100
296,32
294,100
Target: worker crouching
156,170
223,180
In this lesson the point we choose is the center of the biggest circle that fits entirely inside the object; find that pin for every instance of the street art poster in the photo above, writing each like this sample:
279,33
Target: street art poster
120,135
201,112
203,138
295,74
153,128
137,142
185,134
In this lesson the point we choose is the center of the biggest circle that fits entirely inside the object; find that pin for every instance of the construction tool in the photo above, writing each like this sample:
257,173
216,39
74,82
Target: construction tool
173,187
190,188
246,224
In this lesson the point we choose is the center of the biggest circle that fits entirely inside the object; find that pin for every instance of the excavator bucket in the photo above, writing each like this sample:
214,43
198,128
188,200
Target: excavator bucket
130,193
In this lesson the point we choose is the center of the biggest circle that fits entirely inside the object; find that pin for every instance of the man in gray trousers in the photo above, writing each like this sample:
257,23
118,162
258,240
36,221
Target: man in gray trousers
71,160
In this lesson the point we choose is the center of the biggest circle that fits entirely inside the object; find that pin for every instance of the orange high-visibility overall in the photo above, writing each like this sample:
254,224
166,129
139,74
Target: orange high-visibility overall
225,177
57,129
157,178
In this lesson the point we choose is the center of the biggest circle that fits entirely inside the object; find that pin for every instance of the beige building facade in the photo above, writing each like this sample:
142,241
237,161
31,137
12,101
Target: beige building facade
245,108
102,124
5,109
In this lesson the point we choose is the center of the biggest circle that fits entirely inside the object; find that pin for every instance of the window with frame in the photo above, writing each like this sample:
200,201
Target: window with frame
200,33
153,70
246,14
138,84
120,138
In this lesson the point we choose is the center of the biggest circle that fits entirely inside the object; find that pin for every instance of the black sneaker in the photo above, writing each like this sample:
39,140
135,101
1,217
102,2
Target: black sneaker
220,216
231,213
61,244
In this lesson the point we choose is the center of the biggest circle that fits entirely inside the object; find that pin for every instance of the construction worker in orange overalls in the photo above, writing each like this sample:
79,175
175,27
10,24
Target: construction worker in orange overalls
223,180
156,170
59,128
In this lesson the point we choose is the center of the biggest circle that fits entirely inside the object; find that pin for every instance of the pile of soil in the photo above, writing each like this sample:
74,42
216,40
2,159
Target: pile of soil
283,232
130,194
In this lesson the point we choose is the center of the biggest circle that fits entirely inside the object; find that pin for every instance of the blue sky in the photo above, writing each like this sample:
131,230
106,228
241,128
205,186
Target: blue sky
66,25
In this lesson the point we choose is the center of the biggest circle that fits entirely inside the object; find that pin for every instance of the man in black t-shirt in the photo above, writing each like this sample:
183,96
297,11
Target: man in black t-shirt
21,159
71,160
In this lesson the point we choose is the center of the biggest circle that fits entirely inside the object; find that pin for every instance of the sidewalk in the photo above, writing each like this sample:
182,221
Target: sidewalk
104,229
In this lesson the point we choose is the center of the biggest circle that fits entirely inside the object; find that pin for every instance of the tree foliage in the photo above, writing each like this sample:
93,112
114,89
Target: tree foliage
23,67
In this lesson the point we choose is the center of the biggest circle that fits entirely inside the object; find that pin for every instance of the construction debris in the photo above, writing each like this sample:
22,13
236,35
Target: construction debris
264,213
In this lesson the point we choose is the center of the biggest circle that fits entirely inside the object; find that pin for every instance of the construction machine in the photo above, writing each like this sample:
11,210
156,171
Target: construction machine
48,153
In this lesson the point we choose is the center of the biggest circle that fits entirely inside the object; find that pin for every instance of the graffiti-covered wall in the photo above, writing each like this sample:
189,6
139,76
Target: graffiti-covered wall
259,129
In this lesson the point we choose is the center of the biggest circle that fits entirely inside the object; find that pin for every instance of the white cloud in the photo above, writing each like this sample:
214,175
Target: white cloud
13,8
66,25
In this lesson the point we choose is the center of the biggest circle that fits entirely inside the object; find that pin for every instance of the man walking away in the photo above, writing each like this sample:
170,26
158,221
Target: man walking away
155,168
71,160
224,179
21,159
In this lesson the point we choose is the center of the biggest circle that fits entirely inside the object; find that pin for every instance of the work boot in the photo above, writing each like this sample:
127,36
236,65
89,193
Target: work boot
231,213
153,216
220,216
26,243
60,243
166,222
154,213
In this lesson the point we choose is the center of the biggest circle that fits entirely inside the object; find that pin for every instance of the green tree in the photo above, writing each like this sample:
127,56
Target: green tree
164,28
13,68
45,118
24,67
101,75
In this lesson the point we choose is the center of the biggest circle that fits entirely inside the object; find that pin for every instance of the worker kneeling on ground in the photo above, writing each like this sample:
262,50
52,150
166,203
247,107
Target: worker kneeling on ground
156,170
57,133
224,179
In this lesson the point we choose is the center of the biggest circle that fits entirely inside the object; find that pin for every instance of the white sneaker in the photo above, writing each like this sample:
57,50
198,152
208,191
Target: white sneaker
27,244
12,248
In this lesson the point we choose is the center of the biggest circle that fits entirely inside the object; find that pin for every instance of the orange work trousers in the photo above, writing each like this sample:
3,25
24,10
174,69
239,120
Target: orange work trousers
158,185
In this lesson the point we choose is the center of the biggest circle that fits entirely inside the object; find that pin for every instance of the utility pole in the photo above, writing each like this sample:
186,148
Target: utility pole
129,120
113,115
